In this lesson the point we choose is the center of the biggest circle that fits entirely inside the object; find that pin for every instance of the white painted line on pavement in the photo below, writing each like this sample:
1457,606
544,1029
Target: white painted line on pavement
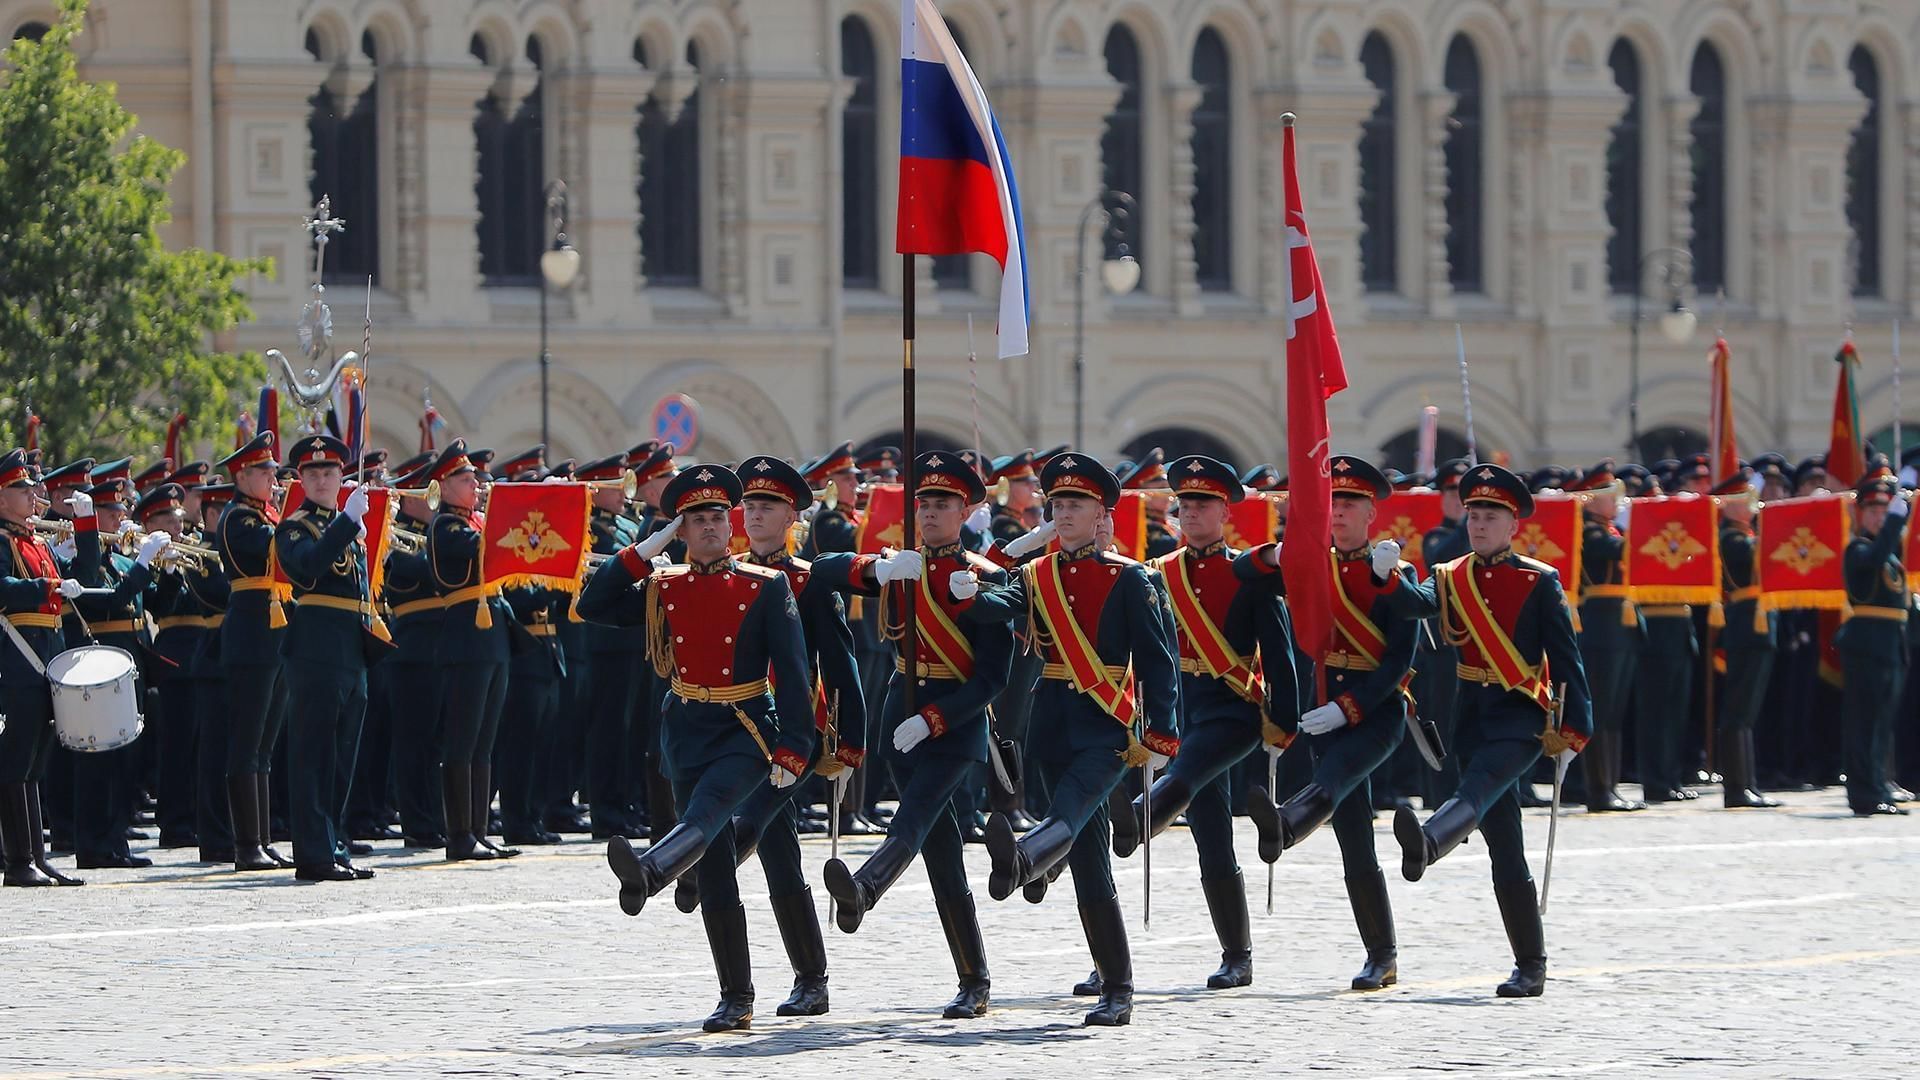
1737,905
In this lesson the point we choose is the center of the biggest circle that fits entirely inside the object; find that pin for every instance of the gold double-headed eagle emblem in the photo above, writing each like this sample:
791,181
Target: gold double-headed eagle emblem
534,539
1673,546
1803,552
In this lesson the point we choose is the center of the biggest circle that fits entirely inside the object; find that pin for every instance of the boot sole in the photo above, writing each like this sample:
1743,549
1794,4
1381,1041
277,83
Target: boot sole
1122,1020
1413,844
848,911
1120,808
1266,823
966,1013
1004,850
1364,985
633,879
745,1023
686,899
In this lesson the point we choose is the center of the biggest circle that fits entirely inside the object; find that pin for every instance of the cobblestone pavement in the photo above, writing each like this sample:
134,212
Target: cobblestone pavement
1685,941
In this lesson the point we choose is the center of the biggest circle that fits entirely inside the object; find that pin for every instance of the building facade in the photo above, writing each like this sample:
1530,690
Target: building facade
1521,169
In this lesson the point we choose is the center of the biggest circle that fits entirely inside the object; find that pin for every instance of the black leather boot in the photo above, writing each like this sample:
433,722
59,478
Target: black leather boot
800,929
665,860
263,809
1520,911
1594,762
1107,940
1171,796
37,834
961,924
249,851
1373,913
456,789
21,871
856,892
1266,822
1423,845
1017,862
1735,758
727,937
1227,902
481,786
1310,808
1090,987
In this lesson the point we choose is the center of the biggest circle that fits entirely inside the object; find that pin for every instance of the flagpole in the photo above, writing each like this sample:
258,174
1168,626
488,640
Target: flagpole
1899,447
1466,393
910,647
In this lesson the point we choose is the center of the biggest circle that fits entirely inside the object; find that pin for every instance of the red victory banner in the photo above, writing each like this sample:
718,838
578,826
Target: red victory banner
1554,535
1799,553
380,507
883,522
1405,518
535,534
1673,550
1253,521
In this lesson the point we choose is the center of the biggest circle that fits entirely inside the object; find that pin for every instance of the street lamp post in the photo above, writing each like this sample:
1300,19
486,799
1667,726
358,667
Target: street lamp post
559,265
1120,276
1676,325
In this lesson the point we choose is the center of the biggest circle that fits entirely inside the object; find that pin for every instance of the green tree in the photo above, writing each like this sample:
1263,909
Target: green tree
103,331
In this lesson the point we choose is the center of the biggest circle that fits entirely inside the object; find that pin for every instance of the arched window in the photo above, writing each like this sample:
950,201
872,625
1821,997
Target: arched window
860,158
1708,81
1623,173
1122,151
1179,442
670,189
1403,450
1379,220
1465,168
513,169
1213,164
1863,176
32,31
345,137
954,271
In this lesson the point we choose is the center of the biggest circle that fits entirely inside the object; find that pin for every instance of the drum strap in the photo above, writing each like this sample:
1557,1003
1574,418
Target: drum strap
25,650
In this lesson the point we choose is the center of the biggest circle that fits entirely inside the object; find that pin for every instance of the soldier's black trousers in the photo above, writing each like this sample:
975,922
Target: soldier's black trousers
926,820
527,737
768,816
178,728
372,771
1489,769
325,708
414,690
613,683
257,699
103,785
1207,757
1665,691
26,744
707,803
212,824
1610,674
1871,697
1748,673
470,712
1343,761
1080,785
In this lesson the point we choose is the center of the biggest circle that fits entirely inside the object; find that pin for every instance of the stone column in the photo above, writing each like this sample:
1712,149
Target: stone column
1182,100
1435,107
440,163
604,194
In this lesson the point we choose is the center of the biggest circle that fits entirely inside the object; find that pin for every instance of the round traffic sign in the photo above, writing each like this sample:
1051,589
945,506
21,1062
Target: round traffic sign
676,419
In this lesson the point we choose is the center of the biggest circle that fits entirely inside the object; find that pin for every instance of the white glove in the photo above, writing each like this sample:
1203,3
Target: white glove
1386,557
781,778
911,733
70,588
963,584
658,542
1626,513
356,507
1899,507
152,546
557,480
661,562
1319,721
82,504
1156,761
1033,541
981,517
899,566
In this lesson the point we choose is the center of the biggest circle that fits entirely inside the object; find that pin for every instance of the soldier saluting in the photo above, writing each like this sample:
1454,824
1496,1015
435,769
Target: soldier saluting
1508,617
727,639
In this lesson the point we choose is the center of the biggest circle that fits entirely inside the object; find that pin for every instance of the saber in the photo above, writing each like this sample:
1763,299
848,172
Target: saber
1466,391
1899,448
1559,780
973,389
1146,844
1273,781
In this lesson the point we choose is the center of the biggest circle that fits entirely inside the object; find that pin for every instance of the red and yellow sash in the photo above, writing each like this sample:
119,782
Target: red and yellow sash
1495,646
938,632
1354,625
1076,650
1198,628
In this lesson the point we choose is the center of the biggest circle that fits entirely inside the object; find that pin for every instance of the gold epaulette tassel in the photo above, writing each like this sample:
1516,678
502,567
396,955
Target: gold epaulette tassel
1759,617
1716,615
482,614
1629,615
276,614
378,626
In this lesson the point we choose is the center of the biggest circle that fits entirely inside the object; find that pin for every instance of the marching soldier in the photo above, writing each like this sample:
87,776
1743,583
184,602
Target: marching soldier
1369,668
473,648
1612,635
1223,629
1872,642
415,681
1507,616
106,782
615,680
774,495
958,667
727,637
250,642
33,589
332,637
1107,640
1749,637
209,594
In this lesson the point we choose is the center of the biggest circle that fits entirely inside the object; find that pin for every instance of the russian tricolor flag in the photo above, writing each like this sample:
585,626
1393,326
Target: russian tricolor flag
957,193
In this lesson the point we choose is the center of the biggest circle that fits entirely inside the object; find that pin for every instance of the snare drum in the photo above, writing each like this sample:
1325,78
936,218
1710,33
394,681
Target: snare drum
95,705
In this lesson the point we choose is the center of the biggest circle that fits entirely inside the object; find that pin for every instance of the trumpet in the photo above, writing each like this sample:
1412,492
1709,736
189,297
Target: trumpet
430,493
406,541
54,531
